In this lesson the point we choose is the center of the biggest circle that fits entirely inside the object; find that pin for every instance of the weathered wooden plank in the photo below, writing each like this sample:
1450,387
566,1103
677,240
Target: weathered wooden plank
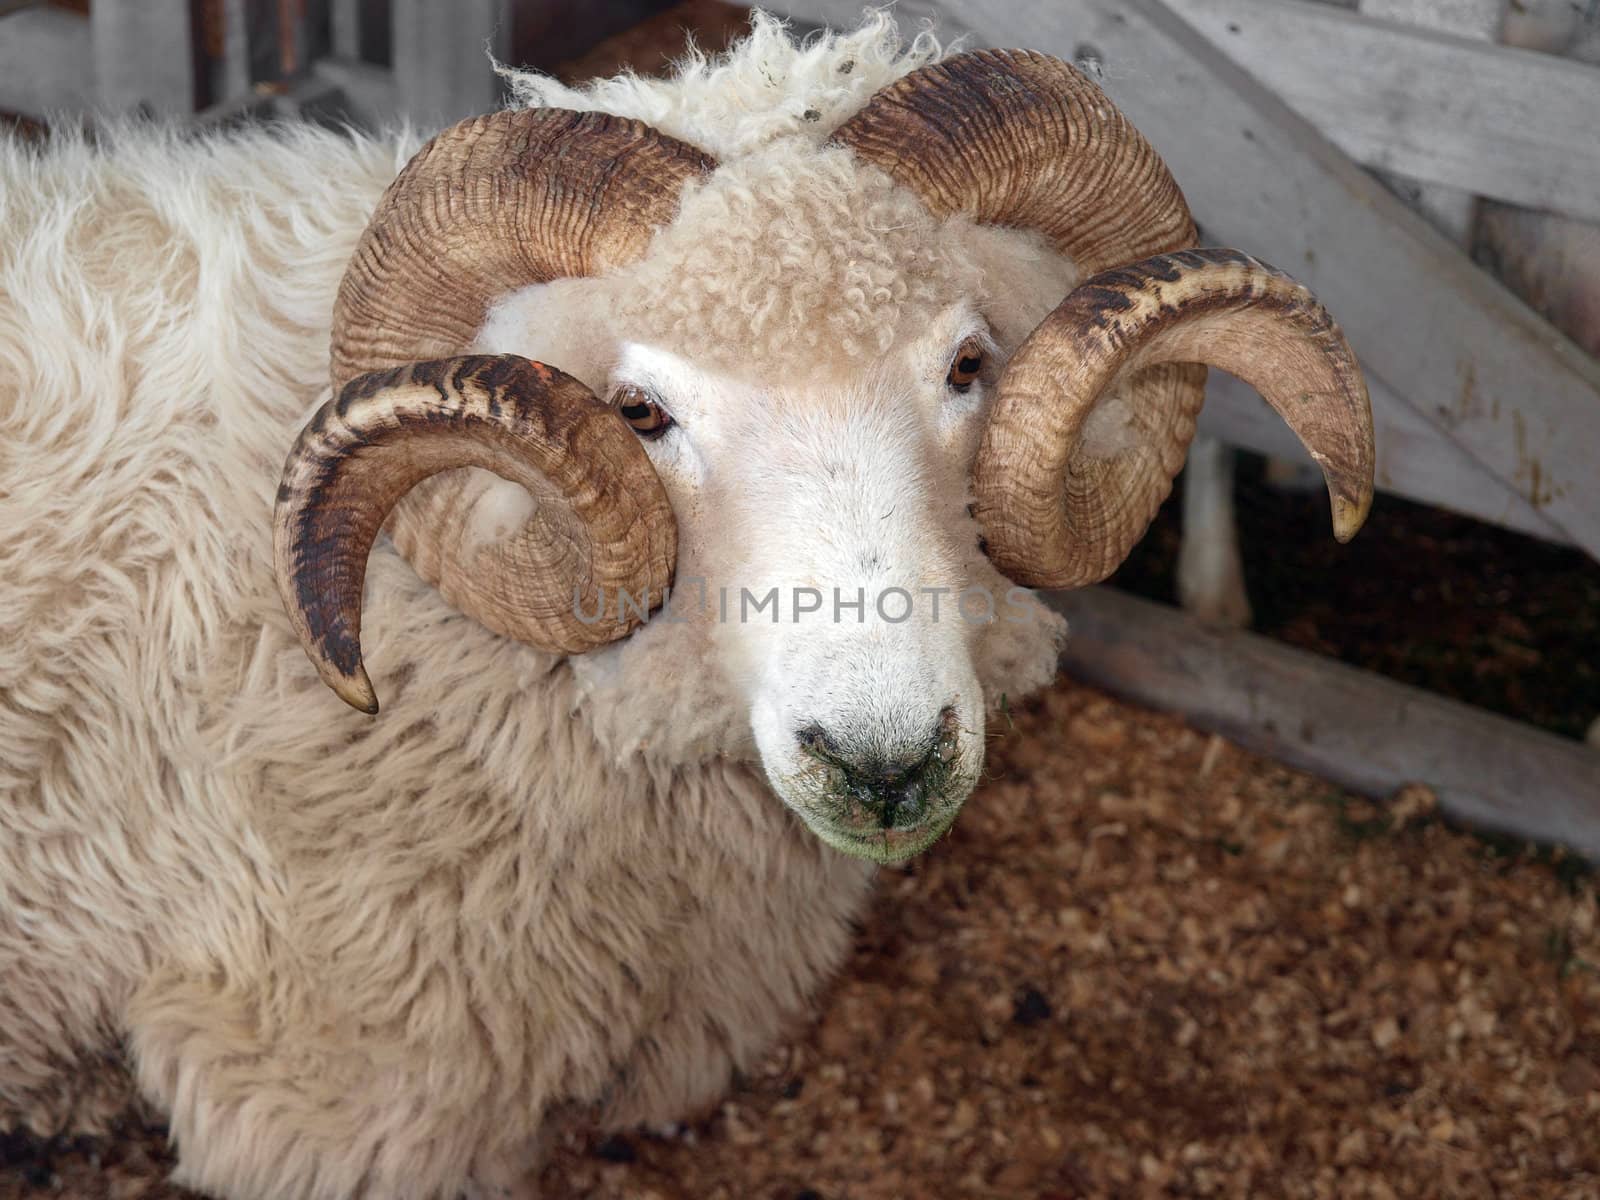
1511,124
358,31
1452,210
144,57
344,29
263,42
441,57
1477,19
1360,730
1472,360
231,75
44,62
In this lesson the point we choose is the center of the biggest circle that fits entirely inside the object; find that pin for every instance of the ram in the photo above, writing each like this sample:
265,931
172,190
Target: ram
788,328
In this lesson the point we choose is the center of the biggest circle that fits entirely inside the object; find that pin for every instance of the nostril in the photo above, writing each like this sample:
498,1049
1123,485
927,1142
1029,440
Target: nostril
947,739
814,739
901,803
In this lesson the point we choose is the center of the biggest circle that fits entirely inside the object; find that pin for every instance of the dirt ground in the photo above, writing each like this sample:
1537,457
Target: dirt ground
1148,964
1144,964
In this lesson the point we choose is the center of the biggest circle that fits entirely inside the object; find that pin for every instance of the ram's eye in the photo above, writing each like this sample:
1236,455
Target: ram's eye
643,411
966,366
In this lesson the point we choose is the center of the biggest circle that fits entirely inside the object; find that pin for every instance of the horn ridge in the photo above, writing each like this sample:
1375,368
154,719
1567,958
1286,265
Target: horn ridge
1018,138
1062,503
388,431
492,205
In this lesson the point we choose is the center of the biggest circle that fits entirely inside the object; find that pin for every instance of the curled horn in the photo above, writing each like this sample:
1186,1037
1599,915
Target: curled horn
1096,410
489,206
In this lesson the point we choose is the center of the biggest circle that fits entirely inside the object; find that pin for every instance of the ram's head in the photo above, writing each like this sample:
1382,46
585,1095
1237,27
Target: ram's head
817,391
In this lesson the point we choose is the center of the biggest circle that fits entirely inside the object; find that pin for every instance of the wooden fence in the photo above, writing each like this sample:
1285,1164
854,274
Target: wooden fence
374,61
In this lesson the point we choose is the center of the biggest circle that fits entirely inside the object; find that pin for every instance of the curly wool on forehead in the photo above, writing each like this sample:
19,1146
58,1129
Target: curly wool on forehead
766,86
791,251
795,256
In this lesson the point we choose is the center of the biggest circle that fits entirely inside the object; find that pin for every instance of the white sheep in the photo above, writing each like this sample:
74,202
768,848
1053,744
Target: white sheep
579,870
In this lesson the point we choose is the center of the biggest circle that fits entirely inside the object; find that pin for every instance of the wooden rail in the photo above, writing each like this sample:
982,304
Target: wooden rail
1413,460
1513,125
1360,730
44,54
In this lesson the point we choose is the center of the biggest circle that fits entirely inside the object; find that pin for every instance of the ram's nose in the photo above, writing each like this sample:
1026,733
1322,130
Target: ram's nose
889,787
891,795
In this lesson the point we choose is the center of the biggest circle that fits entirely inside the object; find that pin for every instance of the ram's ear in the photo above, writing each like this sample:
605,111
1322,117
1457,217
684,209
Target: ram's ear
602,522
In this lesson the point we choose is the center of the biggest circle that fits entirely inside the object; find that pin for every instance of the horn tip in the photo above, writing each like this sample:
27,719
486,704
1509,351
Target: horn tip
355,690
1349,514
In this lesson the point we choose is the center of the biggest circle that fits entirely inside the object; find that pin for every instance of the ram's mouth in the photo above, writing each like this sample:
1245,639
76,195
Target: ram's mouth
829,811
886,846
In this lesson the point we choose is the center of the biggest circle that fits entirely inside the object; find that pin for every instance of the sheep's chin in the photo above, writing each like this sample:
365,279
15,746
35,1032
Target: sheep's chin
889,847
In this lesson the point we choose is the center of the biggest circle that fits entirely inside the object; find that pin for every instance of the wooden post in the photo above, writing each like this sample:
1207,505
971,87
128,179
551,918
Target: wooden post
230,68
441,57
44,62
344,28
1453,211
143,55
